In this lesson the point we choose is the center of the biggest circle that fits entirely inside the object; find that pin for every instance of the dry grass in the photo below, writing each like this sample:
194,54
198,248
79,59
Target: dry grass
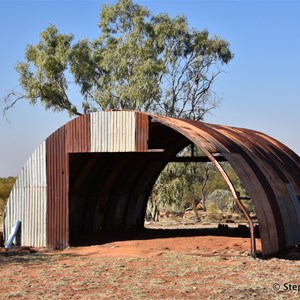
170,275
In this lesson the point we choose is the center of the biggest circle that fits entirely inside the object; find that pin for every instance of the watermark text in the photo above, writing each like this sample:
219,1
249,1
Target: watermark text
286,287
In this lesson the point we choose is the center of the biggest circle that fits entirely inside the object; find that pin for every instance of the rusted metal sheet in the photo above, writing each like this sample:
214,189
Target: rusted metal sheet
273,170
278,174
256,164
27,201
78,135
74,137
97,172
269,173
57,190
142,132
295,201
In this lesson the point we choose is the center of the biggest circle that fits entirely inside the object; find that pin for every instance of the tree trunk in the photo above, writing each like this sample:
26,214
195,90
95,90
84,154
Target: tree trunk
203,201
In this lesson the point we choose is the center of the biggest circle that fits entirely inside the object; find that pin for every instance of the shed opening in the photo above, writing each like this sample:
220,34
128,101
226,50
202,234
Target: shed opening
107,199
192,193
107,193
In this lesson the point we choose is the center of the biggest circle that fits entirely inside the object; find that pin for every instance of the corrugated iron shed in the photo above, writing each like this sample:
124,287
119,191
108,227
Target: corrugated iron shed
97,172
27,201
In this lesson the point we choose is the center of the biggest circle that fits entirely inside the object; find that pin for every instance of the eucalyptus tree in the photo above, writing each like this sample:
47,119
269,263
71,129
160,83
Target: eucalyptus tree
139,61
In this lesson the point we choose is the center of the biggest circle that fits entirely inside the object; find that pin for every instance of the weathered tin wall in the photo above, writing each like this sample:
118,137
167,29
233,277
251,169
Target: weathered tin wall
141,132
78,135
276,171
112,182
113,131
57,190
73,137
269,171
27,201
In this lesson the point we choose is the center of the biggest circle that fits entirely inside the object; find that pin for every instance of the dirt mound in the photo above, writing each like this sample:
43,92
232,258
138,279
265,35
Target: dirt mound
203,245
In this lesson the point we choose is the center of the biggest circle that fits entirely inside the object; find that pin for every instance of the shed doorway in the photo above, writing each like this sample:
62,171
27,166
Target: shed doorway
108,193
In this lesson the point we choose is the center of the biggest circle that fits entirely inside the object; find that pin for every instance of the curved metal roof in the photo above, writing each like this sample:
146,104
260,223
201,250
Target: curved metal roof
98,170
269,170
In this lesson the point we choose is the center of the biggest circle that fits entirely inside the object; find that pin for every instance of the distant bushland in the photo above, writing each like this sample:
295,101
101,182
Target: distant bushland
6,185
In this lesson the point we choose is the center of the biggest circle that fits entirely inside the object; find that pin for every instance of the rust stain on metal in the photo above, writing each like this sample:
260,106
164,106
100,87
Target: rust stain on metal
142,132
265,170
78,136
101,167
57,194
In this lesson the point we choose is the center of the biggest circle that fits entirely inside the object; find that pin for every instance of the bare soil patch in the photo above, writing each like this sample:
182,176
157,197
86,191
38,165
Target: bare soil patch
159,265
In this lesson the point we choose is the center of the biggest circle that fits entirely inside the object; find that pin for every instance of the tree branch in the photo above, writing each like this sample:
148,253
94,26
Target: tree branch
9,103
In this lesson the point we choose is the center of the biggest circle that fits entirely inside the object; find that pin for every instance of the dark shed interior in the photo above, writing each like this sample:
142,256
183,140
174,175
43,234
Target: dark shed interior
109,191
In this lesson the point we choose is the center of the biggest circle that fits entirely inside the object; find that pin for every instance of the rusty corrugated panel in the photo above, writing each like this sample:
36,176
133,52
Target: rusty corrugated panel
288,160
295,200
260,189
198,137
271,176
206,140
142,132
248,160
74,137
27,201
78,135
278,173
57,191
288,164
258,186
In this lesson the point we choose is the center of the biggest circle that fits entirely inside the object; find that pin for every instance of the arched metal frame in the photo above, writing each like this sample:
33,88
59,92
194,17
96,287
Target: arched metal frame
98,170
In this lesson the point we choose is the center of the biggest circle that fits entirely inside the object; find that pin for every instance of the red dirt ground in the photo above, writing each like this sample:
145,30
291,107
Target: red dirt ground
204,245
184,267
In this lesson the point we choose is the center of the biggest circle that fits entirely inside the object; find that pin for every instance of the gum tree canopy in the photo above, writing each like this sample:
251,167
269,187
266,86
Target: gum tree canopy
139,61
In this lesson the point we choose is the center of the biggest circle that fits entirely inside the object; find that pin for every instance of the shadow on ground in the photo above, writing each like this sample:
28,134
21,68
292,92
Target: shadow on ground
147,234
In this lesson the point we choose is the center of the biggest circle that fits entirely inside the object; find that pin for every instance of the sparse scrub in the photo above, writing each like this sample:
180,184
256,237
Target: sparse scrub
169,276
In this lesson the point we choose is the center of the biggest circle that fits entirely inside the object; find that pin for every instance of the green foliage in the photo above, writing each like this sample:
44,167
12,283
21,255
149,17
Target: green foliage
139,61
170,188
187,185
222,199
6,185
2,206
42,76
180,186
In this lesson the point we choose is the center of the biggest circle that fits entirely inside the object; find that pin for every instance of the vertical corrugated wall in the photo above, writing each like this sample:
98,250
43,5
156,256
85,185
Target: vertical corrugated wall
73,137
113,131
27,201
78,136
45,222
141,132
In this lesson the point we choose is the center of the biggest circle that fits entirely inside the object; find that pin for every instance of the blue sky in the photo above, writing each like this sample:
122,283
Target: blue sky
260,88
